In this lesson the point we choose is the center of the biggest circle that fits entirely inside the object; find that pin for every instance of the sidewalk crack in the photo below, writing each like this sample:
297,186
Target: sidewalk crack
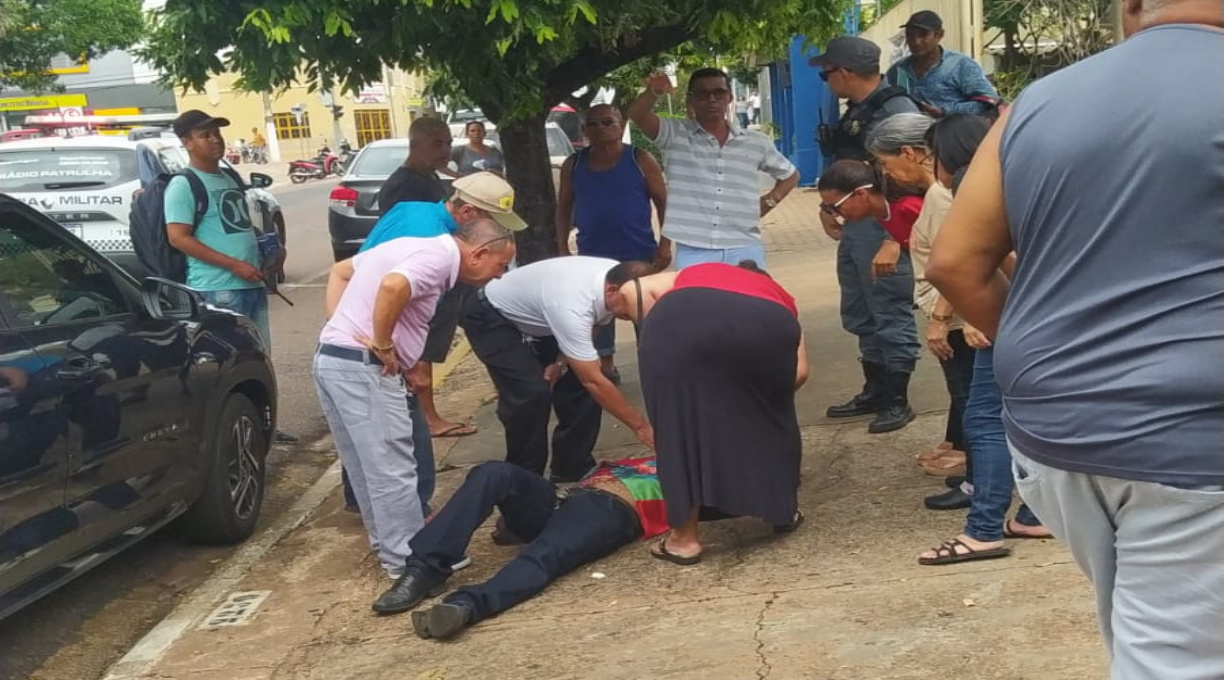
765,669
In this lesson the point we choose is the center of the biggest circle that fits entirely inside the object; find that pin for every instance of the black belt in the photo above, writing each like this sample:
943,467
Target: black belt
362,355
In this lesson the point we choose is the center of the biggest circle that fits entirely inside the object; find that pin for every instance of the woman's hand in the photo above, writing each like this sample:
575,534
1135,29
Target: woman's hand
885,261
832,228
975,338
937,340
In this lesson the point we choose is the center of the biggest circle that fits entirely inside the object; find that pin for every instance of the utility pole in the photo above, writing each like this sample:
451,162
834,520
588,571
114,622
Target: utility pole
389,86
274,154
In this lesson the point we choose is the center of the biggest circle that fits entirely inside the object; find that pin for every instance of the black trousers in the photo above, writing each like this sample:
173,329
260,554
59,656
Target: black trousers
524,399
585,526
958,373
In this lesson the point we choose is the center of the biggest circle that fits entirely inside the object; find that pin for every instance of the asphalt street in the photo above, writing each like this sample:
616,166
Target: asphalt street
77,632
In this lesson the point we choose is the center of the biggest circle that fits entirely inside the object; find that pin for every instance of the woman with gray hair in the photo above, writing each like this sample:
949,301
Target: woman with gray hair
900,148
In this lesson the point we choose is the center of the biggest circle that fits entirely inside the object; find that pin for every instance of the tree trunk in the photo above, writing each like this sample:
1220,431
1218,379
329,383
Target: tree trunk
529,170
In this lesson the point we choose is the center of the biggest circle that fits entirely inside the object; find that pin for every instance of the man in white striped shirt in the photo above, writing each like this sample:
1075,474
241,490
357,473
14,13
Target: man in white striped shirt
714,204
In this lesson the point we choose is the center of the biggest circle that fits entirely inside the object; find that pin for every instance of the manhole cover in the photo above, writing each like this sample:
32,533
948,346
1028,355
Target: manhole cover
237,610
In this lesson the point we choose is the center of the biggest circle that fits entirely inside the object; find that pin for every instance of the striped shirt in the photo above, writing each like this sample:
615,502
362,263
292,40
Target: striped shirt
713,195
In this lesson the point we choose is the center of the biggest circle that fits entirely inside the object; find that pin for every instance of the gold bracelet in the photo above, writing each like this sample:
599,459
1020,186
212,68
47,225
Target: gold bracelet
941,318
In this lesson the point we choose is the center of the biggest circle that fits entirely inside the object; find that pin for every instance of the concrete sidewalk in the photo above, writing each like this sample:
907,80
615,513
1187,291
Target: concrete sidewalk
841,599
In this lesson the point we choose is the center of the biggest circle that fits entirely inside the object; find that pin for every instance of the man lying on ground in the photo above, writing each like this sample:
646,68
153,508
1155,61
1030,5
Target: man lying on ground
614,504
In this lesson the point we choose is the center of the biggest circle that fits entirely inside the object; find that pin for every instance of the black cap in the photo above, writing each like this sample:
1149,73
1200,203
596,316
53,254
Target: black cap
194,120
926,19
857,54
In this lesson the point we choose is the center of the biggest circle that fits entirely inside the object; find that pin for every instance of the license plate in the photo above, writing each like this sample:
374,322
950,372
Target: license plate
77,230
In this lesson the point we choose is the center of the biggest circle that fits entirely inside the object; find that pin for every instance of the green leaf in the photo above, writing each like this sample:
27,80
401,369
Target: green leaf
587,11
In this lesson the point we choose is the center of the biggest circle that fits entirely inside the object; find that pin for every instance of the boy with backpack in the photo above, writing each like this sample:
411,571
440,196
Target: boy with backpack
213,244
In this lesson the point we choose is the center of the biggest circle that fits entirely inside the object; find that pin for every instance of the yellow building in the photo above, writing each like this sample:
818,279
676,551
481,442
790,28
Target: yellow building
378,111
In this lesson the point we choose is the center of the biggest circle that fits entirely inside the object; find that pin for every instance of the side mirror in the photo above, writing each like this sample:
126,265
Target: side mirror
260,180
166,299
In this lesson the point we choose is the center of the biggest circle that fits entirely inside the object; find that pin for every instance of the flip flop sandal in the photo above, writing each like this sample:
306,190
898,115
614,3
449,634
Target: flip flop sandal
789,528
1008,533
947,553
457,430
660,552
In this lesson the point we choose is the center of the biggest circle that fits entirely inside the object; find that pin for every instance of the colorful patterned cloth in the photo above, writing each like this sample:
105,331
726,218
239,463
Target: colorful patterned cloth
640,476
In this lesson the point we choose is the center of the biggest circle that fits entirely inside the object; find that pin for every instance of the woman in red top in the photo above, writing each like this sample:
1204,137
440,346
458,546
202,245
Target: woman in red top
721,354
877,298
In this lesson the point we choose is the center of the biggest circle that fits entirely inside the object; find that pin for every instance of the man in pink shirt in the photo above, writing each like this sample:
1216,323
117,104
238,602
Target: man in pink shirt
379,304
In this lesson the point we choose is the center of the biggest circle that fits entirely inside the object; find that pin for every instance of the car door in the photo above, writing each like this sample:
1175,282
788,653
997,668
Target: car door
34,523
119,374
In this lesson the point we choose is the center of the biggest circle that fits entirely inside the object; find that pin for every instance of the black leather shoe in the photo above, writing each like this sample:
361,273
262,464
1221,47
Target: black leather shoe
954,481
441,621
408,592
896,412
867,402
953,499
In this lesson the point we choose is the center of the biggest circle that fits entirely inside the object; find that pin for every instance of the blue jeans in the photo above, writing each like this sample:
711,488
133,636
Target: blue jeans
992,478
249,302
422,446
586,526
689,255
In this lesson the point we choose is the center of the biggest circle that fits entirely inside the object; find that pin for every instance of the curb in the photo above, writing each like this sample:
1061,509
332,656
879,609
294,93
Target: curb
145,654
141,658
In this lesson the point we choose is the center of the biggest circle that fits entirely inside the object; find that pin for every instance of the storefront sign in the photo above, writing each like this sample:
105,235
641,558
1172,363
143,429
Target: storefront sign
54,101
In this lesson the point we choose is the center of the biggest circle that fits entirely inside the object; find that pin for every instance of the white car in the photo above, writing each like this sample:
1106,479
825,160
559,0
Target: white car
87,184
559,145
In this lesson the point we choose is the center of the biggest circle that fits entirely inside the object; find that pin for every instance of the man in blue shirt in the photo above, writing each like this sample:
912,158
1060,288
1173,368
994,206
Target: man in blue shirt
942,81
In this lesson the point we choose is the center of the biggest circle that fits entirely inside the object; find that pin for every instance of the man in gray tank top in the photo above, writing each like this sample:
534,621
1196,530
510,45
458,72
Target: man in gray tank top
1110,337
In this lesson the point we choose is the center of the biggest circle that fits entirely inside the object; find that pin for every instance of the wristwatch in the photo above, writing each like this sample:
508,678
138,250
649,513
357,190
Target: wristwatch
771,201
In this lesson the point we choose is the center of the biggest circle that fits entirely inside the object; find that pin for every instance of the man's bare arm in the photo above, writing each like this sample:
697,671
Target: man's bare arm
641,111
337,280
611,398
974,241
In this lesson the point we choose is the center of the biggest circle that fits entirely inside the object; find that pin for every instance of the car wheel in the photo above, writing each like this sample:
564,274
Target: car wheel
234,477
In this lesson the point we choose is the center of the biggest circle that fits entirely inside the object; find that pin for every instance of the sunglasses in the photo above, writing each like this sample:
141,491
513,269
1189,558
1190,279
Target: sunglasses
601,122
835,207
709,94
824,75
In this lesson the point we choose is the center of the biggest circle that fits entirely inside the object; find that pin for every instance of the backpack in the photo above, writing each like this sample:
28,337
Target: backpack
147,224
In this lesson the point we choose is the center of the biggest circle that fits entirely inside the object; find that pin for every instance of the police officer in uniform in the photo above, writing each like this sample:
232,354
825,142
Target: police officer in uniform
879,311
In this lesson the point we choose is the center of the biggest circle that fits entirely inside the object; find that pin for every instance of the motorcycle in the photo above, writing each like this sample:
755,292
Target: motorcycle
321,166
347,154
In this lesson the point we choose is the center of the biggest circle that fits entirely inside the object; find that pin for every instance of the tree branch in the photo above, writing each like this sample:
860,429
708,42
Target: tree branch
590,62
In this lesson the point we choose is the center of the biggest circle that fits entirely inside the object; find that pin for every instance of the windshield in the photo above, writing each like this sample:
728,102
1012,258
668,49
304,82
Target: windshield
66,169
558,143
379,161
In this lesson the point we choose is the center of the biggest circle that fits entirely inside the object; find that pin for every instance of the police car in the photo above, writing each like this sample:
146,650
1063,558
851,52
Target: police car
87,184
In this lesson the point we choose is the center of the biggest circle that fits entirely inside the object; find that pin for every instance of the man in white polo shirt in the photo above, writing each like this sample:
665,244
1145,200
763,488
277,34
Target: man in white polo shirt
714,203
379,304
534,331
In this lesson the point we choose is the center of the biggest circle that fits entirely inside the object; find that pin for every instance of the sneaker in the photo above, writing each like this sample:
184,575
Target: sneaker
463,563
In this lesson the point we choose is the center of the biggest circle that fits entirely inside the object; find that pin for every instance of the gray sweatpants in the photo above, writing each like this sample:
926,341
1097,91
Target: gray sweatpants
1155,556
369,419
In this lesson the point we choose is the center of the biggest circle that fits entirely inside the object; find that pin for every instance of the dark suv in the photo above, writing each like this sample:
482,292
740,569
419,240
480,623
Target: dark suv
123,406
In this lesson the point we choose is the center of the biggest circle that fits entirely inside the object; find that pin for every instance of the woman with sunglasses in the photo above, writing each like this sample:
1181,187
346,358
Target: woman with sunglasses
880,293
